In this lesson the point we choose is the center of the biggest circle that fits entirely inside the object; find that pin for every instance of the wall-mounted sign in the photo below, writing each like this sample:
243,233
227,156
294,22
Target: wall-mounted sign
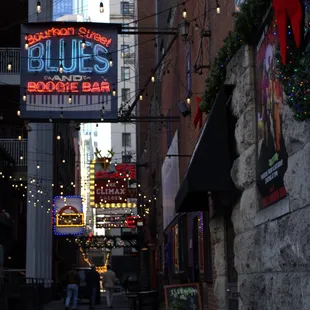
68,216
272,155
66,72
112,185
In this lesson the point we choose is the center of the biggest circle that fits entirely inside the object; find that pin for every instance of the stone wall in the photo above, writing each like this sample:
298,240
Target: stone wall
272,246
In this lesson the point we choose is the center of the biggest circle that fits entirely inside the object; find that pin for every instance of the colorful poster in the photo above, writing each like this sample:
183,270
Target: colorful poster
272,155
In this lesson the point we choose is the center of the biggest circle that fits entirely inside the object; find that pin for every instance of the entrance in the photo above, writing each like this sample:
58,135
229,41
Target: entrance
232,285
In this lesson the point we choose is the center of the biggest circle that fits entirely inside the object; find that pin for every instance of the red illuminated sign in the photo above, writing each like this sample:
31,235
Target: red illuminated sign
111,191
69,31
131,221
68,87
120,171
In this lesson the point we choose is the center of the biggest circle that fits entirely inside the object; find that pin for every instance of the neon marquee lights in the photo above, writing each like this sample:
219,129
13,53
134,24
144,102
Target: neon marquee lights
40,57
82,32
68,87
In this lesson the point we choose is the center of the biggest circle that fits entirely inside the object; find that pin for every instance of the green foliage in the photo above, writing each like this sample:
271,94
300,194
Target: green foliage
295,76
247,23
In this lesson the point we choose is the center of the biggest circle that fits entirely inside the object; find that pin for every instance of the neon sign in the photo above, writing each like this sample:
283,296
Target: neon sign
65,59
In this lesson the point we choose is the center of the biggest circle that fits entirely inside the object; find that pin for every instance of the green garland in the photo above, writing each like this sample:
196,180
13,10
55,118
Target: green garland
246,23
295,77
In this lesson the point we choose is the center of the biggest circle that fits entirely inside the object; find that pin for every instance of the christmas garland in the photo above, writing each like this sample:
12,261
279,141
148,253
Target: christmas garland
247,22
295,77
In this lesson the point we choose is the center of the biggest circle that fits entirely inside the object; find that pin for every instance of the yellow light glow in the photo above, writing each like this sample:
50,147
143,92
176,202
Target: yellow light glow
70,224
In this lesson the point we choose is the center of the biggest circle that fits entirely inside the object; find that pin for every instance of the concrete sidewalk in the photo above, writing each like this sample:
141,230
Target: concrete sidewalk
120,302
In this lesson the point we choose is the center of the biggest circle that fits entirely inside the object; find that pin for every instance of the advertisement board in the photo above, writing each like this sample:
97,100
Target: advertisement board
112,185
272,156
66,71
68,216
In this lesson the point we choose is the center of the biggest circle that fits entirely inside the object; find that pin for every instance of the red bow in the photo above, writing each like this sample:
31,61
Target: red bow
198,115
293,10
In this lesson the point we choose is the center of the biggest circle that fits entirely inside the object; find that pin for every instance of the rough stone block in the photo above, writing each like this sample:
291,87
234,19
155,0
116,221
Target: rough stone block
243,169
245,129
297,178
243,95
296,134
244,213
220,291
220,262
217,230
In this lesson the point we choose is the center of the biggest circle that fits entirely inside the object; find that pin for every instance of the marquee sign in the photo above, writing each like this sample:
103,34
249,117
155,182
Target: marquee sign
66,71
68,216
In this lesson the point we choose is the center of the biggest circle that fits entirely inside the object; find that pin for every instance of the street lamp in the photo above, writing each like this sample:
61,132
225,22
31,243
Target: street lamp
184,29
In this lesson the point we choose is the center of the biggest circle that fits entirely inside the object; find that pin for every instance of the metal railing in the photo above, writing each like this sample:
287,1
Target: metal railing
10,60
17,149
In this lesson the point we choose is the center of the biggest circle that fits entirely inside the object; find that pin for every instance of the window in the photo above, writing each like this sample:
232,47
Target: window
125,73
126,139
124,50
125,94
125,29
127,8
126,159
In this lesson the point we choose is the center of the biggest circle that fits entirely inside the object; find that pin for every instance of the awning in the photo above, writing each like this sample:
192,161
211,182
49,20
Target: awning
209,168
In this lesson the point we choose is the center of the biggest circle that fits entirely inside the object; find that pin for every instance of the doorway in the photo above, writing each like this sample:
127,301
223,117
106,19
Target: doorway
232,275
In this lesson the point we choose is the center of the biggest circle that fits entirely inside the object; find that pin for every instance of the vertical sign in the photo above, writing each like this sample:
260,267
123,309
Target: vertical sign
272,155
66,71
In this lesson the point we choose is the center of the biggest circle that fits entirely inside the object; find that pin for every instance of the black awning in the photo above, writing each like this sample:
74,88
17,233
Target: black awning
209,168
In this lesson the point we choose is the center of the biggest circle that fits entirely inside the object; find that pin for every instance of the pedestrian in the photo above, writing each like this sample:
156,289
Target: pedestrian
126,284
73,282
108,280
92,282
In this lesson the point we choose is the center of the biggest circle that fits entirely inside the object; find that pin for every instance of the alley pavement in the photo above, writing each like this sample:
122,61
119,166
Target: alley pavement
120,302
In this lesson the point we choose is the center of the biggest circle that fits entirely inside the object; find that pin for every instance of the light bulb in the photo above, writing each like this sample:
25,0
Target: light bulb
61,69
111,62
38,166
18,112
184,13
19,138
141,98
24,97
114,92
58,137
9,66
70,99
153,79
63,161
26,44
21,157
101,8
83,43
38,7
218,8
188,100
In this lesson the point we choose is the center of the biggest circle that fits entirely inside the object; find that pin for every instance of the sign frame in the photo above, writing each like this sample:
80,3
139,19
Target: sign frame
85,106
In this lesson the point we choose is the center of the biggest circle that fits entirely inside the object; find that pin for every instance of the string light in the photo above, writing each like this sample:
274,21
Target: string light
70,99
141,97
18,113
38,166
114,92
58,137
61,69
184,13
24,97
111,62
26,44
83,45
101,7
218,8
153,79
38,7
9,66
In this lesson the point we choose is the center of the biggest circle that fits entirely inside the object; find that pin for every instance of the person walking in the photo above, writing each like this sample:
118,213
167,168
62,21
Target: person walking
92,283
126,284
108,280
73,282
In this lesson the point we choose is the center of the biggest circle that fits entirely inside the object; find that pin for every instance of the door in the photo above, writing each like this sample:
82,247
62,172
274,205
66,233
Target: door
232,286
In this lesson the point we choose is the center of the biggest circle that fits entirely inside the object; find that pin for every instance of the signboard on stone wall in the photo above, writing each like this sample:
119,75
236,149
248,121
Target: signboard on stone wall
271,155
66,72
